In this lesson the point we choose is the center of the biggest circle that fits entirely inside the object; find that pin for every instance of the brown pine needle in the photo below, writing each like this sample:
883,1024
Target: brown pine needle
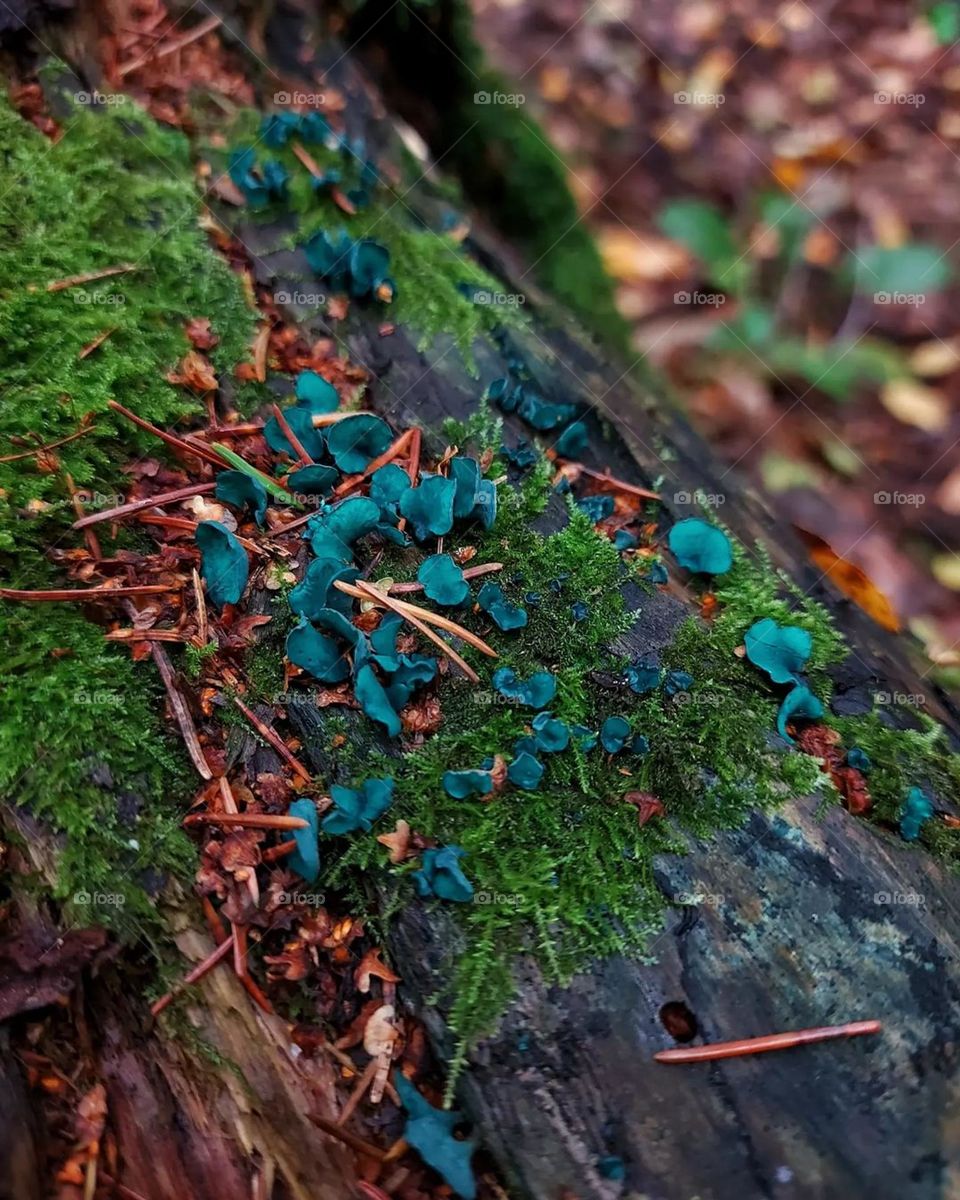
349,1139
226,794
96,593
203,633
275,740
97,342
135,506
392,451
247,820
181,713
61,285
164,51
307,159
425,614
146,635
198,972
278,852
770,1041
49,446
577,469
397,589
322,420
302,456
93,545
370,593
185,447
359,1091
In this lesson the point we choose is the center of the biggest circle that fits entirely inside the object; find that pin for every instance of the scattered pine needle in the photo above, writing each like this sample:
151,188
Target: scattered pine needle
97,342
180,711
61,285
302,456
185,447
397,589
246,820
135,506
49,446
276,741
770,1041
96,593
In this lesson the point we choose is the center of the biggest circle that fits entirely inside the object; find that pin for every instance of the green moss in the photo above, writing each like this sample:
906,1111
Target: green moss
499,152
82,737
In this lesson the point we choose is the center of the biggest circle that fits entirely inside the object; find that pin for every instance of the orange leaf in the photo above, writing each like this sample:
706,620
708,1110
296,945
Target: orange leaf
853,582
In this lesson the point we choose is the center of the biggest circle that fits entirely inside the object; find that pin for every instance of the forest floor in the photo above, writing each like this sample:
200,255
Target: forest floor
772,188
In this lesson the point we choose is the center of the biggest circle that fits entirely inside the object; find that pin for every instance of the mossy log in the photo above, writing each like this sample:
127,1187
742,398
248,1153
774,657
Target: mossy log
798,918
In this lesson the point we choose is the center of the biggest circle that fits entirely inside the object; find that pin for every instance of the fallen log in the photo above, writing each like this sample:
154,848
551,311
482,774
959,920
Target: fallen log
798,918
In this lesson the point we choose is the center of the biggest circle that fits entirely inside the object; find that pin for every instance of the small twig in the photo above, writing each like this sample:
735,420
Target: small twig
605,477
322,420
93,544
392,451
49,446
198,972
180,711
358,1092
135,506
275,740
770,1041
203,632
302,456
349,1139
96,593
238,934
97,342
194,448
307,159
146,635
469,573
247,820
61,285
226,794
278,852
186,525
198,31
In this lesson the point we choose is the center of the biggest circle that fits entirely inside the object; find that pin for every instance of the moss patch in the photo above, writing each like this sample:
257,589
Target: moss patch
82,736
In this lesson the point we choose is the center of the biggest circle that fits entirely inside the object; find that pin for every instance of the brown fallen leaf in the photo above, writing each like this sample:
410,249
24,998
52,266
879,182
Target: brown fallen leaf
647,805
370,966
852,581
194,372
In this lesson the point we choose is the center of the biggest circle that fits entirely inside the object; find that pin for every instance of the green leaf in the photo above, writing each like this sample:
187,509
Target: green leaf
918,267
944,20
705,232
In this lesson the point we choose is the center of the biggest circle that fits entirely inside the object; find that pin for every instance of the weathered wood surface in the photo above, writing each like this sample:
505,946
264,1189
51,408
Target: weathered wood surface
790,932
